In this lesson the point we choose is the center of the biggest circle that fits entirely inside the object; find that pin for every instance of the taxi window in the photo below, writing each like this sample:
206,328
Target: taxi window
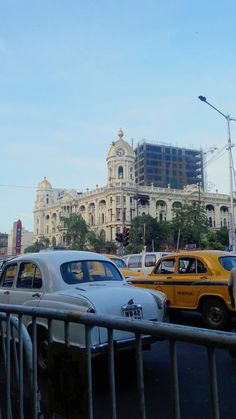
189,265
165,267
228,262
29,276
8,275
150,260
135,261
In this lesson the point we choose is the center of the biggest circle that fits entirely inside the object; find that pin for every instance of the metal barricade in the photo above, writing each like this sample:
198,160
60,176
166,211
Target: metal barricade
17,363
161,331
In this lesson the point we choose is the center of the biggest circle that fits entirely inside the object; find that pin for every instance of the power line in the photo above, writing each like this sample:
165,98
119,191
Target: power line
216,156
18,186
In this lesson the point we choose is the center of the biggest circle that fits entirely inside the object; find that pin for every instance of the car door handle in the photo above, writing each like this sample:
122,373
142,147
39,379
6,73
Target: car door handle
36,295
6,292
169,277
203,277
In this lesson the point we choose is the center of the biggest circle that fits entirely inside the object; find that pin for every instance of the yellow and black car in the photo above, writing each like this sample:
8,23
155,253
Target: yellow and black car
195,280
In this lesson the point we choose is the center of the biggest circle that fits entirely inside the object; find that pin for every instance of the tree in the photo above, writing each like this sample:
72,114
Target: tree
79,236
211,241
218,239
43,243
189,224
223,236
97,243
146,232
77,231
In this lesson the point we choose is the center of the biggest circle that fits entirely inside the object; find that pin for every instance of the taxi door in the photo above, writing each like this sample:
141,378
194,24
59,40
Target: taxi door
162,278
191,277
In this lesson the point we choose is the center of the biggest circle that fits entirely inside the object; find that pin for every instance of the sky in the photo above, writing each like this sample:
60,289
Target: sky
72,73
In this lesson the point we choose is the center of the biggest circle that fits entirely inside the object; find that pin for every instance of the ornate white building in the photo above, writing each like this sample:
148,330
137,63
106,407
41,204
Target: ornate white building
108,209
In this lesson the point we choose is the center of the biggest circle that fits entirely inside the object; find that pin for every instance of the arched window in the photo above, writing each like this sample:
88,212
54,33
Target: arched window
120,172
224,209
102,203
210,208
176,204
103,235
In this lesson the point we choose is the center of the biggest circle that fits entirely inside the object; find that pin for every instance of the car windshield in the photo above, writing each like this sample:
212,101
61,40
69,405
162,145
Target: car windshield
228,262
89,271
119,263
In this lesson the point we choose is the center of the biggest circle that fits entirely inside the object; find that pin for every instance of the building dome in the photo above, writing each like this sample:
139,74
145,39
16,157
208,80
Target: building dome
44,184
120,144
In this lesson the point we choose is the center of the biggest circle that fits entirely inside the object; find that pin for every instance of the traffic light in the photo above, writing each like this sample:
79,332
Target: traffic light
119,237
125,236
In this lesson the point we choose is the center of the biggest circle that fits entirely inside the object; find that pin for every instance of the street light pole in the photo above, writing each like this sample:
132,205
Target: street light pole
232,241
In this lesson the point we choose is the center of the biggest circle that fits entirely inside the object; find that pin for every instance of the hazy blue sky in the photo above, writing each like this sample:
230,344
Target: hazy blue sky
73,72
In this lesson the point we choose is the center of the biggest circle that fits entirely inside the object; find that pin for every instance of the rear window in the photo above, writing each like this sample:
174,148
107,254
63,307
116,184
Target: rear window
77,272
228,262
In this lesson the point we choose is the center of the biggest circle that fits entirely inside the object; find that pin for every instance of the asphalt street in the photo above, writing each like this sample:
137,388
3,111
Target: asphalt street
193,382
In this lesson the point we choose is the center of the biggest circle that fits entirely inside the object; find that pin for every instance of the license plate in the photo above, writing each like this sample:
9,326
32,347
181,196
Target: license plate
133,312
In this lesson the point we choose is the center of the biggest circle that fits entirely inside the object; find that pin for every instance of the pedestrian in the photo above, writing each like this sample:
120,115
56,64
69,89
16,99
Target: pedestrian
232,287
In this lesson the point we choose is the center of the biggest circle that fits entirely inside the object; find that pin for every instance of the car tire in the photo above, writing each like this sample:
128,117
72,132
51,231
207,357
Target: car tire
215,314
173,315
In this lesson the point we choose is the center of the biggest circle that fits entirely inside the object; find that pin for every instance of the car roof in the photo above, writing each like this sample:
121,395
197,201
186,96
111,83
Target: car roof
60,256
199,253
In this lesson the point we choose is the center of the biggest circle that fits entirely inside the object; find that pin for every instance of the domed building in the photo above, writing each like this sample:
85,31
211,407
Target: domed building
108,209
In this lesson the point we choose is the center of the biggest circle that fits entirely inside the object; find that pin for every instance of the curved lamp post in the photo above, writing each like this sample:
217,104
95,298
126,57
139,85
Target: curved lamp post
232,242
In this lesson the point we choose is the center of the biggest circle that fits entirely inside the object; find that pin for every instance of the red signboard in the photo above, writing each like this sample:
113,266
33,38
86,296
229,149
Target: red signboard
18,236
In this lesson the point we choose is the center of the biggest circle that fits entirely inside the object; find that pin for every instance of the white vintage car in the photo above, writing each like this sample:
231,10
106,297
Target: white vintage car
77,281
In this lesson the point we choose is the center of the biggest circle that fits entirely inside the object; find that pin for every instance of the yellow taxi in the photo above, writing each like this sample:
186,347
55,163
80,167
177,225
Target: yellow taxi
195,280
121,265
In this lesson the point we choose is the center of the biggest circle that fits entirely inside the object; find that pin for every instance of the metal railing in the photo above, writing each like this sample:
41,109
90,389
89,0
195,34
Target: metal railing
160,331
17,363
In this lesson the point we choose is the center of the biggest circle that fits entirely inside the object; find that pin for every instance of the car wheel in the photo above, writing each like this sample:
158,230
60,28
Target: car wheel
215,314
42,351
173,315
